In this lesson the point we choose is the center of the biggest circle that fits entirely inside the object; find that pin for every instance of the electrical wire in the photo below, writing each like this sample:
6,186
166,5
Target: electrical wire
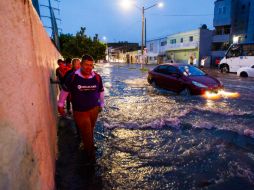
181,15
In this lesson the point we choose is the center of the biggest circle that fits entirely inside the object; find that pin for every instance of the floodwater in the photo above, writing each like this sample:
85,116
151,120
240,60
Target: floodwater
150,138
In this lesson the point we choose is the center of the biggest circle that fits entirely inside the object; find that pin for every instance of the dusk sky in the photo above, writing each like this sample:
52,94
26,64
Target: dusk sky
109,19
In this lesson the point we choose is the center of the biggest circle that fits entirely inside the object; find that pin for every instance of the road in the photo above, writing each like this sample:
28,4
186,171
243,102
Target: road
156,139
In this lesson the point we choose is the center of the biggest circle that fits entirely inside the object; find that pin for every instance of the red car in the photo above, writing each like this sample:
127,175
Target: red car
183,79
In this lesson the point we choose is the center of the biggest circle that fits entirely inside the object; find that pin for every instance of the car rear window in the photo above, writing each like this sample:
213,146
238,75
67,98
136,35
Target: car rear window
161,69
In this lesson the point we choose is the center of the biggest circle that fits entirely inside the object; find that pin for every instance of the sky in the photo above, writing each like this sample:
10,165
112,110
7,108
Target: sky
108,18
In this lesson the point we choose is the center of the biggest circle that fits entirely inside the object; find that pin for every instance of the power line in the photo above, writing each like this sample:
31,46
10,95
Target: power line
182,15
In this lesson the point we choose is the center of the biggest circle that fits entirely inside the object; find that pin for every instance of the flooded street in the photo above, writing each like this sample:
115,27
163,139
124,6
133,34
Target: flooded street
149,138
160,140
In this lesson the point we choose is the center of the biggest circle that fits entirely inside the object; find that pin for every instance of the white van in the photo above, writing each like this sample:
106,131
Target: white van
237,56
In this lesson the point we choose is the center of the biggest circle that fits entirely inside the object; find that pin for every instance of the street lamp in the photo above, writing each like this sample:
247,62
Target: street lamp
104,38
127,4
158,4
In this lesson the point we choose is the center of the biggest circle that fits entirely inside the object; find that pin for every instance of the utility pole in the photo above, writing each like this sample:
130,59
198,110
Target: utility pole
145,32
144,29
142,45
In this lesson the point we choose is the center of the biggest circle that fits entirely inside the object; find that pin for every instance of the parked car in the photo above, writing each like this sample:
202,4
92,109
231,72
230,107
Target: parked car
246,71
183,79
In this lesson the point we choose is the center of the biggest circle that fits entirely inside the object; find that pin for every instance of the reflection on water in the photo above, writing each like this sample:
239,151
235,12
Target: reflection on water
160,140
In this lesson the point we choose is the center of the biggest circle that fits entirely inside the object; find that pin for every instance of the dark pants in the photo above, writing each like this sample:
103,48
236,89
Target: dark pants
68,103
86,123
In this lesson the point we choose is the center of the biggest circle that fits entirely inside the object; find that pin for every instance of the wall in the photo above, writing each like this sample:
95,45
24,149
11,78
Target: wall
250,35
179,51
240,18
186,37
182,56
222,13
27,106
205,45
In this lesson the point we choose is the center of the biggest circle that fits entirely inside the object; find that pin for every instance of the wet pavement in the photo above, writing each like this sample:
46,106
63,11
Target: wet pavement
150,138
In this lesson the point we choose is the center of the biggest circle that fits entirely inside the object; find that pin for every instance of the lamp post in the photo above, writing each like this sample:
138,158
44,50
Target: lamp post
143,29
127,4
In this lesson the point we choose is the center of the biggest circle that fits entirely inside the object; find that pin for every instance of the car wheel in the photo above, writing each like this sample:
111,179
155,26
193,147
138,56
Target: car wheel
224,69
243,74
153,83
185,92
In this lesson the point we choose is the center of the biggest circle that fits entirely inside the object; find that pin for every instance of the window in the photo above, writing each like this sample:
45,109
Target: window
181,40
161,69
151,46
191,38
220,11
248,50
191,70
224,10
172,70
173,41
163,43
226,30
235,51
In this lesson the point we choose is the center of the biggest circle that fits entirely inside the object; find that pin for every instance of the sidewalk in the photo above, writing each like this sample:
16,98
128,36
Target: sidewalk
72,172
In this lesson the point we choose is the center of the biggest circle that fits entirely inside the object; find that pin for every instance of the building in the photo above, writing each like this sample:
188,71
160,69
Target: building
234,23
181,47
131,57
117,52
155,50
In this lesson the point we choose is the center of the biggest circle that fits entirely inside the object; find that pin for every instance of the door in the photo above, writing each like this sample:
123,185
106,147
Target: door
234,58
173,79
251,73
160,76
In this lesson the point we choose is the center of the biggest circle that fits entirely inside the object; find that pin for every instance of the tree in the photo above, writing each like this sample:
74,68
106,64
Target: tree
80,44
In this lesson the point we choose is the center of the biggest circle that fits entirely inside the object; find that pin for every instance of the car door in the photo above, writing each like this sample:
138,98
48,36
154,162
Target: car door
234,58
160,75
174,80
251,73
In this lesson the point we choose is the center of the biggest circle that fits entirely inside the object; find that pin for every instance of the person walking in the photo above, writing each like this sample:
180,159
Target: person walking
191,60
68,63
87,97
75,65
60,72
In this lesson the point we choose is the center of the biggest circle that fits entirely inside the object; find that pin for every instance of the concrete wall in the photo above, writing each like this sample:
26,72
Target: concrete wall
186,37
250,35
222,13
27,100
205,45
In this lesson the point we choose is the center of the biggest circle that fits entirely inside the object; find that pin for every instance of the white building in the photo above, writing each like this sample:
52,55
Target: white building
181,47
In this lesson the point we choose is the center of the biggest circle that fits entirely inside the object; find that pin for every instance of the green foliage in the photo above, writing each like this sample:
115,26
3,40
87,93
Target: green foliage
80,44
